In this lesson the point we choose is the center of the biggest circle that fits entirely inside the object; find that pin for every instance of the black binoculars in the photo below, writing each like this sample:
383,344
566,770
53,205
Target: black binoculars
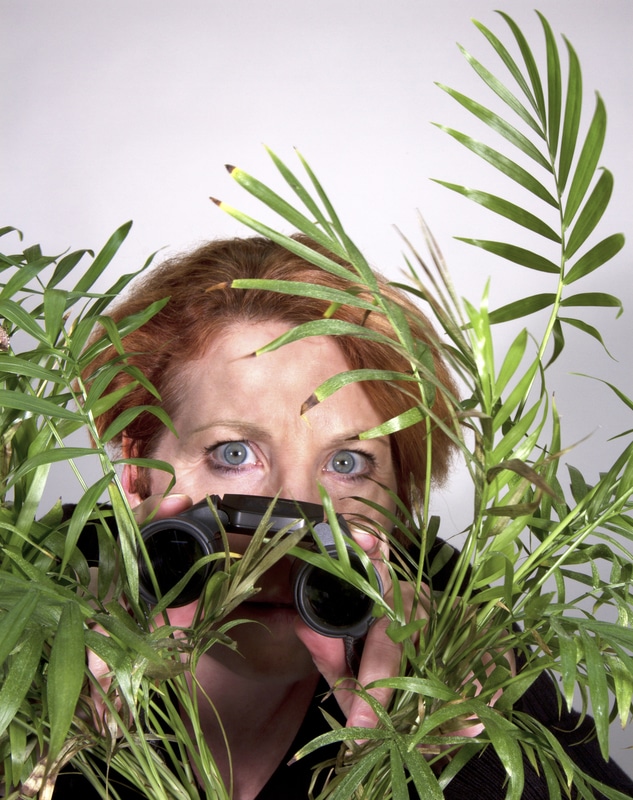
328,604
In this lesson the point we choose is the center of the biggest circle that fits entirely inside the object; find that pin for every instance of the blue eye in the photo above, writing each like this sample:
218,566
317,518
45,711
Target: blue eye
232,455
351,463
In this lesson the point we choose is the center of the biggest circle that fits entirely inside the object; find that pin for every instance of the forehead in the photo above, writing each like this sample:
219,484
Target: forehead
231,379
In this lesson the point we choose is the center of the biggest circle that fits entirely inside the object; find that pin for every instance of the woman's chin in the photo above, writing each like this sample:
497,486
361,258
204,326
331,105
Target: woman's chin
266,644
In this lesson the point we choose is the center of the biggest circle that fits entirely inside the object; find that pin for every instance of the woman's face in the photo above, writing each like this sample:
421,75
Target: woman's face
240,431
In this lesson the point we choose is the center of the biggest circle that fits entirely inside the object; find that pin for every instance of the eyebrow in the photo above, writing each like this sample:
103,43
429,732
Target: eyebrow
250,430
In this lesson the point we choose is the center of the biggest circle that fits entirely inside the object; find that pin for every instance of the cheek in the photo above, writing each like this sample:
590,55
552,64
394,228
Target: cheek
180,617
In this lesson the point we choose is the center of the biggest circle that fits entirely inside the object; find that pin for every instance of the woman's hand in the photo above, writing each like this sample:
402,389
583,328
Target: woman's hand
381,655
158,507
381,658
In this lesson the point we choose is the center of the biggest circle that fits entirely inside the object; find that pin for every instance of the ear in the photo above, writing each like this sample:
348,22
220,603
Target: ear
130,474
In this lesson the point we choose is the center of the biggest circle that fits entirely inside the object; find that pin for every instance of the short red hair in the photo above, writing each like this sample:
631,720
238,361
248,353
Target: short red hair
182,330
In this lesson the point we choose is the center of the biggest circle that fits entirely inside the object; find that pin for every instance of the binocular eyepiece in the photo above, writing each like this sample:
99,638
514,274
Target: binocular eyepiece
328,604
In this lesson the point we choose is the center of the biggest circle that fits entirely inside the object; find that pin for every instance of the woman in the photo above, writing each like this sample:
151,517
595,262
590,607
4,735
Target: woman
239,429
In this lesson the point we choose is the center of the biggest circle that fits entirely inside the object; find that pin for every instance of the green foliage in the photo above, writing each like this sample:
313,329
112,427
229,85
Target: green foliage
528,576
545,571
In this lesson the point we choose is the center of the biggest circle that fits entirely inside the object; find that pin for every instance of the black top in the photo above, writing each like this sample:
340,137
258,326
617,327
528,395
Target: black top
483,777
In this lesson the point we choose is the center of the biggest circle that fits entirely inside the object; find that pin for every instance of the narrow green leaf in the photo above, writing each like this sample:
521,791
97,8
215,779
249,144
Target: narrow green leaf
397,777
587,162
299,189
508,60
83,510
325,327
47,457
395,424
284,209
9,310
15,620
511,362
336,382
518,255
571,122
23,276
66,265
125,418
289,243
15,365
503,92
598,255
530,63
522,308
554,87
54,309
598,690
24,664
421,773
10,229
502,735
505,209
500,126
514,399
591,214
38,406
298,289
585,327
597,299
103,259
559,341
504,164
65,675
568,662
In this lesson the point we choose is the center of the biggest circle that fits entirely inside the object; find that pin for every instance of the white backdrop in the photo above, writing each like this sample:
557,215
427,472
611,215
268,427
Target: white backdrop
128,109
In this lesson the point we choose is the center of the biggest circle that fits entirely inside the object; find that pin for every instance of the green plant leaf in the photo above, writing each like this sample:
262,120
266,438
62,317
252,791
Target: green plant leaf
585,327
336,382
308,253
283,208
598,690
598,255
518,255
504,164
530,63
505,208
23,667
522,308
23,321
597,299
334,296
53,408
399,423
571,121
65,675
591,213
15,621
554,87
500,126
499,88
587,162
103,259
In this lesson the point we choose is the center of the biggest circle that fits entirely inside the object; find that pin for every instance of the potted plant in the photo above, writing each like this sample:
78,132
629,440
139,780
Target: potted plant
526,577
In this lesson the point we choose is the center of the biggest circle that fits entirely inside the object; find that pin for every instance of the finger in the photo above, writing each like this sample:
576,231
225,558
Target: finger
328,655
381,659
367,540
159,506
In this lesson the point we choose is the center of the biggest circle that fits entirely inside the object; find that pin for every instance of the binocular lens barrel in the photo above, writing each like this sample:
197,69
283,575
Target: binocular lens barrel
332,606
328,604
173,551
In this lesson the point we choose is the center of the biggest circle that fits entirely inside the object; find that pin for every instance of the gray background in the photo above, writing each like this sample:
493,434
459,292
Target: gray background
129,109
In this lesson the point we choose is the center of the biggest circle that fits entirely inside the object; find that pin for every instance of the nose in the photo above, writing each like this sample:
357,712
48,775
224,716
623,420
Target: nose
296,481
